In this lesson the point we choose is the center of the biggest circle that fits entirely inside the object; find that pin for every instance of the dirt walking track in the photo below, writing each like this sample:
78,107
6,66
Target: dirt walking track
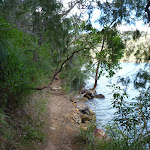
63,132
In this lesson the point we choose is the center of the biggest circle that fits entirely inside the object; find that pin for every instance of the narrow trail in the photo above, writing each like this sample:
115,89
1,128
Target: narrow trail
63,131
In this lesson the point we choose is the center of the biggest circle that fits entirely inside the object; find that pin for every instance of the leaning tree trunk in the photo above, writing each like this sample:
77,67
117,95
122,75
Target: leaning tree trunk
97,69
96,76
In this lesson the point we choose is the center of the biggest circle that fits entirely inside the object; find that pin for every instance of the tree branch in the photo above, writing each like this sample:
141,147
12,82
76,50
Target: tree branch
66,12
65,62
56,72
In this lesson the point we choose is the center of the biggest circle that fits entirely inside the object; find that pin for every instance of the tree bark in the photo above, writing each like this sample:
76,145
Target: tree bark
97,69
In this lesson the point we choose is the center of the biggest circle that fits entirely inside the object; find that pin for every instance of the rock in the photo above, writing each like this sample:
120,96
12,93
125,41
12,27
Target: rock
74,104
85,117
84,99
87,93
52,128
75,110
84,128
99,96
92,118
76,117
78,98
99,133
91,112
87,122
89,96
93,90
56,88
82,107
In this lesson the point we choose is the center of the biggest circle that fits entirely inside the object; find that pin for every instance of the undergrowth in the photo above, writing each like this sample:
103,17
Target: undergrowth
25,127
88,141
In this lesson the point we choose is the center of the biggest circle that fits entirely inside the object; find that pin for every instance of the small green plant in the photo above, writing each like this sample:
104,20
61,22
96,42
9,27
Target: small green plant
86,138
88,141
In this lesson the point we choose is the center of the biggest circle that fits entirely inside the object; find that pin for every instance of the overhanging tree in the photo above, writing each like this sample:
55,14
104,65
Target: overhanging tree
110,53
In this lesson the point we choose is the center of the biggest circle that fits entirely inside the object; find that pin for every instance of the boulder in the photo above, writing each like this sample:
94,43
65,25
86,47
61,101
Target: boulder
76,117
87,93
85,117
82,107
89,96
99,133
78,98
87,122
92,118
99,96
84,128
91,112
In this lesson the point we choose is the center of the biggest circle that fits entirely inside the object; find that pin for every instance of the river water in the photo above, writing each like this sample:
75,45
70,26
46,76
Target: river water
103,107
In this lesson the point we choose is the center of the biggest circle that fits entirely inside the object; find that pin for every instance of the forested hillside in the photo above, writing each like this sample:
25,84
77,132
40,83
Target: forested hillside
41,39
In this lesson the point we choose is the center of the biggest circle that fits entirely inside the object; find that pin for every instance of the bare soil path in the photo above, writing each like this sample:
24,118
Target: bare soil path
63,131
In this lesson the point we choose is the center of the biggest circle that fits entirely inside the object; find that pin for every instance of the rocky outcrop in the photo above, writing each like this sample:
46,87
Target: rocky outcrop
78,98
82,115
90,94
99,96
83,108
91,112
85,117
76,117
88,118
87,93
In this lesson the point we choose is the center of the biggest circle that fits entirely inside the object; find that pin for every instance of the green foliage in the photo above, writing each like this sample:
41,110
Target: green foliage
87,138
137,49
132,119
32,134
25,128
111,52
13,68
115,46
115,12
27,60
141,79
74,75
23,64
20,70
6,130
115,141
